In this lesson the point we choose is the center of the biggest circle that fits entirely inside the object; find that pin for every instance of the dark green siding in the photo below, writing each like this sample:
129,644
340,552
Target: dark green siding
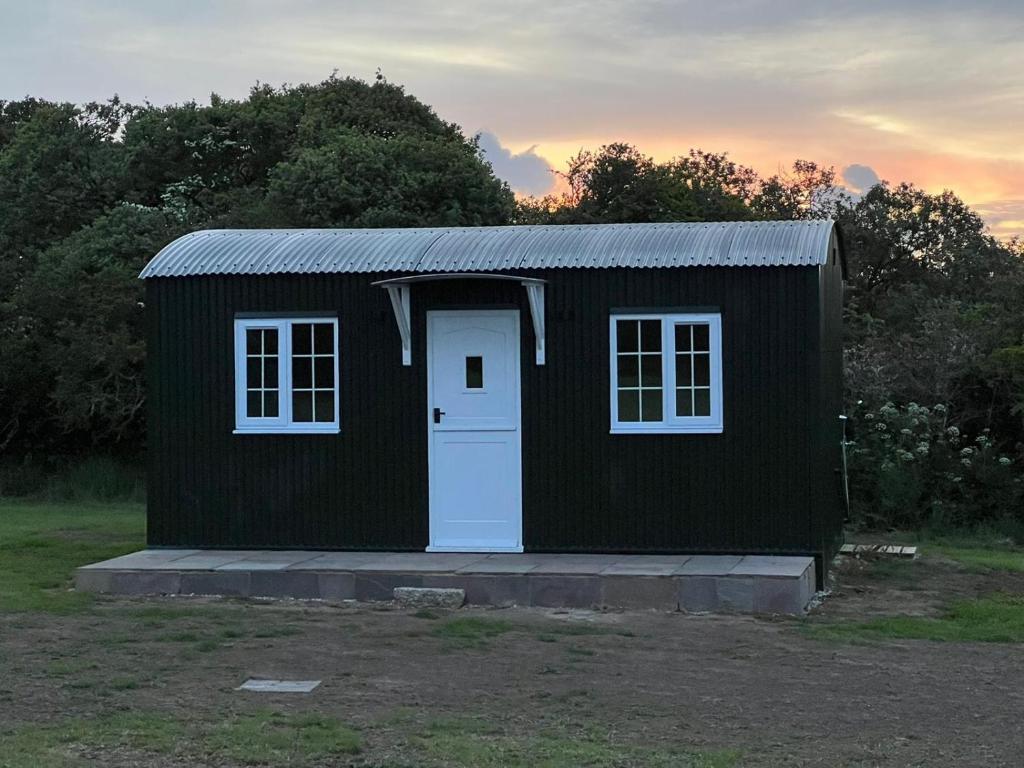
763,485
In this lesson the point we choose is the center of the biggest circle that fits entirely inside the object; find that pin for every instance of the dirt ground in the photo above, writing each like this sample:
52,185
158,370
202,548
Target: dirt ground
769,688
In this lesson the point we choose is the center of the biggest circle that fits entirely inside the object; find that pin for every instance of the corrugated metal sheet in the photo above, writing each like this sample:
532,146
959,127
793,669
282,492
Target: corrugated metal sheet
493,249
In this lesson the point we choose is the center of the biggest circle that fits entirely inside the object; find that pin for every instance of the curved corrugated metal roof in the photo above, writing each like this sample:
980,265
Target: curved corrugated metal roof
494,249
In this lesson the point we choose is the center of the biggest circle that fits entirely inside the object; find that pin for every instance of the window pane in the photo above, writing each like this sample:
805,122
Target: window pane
253,407
629,405
650,405
270,341
650,335
701,342
302,372
474,372
629,371
302,406
270,372
253,372
270,403
701,370
626,335
253,341
324,370
302,343
323,338
684,373
684,402
702,402
650,371
683,337
325,406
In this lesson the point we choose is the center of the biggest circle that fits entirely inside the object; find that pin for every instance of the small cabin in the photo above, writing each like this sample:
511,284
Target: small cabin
614,388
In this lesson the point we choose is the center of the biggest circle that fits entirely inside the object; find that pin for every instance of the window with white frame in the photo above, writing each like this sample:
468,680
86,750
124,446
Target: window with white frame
666,373
286,374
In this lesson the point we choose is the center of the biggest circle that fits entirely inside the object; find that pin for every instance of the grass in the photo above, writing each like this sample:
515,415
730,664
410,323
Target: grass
471,631
263,737
996,619
40,545
480,744
982,559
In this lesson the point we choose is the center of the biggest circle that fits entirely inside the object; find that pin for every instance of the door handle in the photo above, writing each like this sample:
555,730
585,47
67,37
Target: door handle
438,413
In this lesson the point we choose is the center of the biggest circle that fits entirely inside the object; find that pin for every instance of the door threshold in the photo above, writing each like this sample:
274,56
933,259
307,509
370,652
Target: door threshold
481,550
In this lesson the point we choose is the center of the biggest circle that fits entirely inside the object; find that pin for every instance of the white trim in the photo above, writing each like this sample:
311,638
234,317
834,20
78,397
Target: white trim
518,547
669,422
535,295
399,295
282,423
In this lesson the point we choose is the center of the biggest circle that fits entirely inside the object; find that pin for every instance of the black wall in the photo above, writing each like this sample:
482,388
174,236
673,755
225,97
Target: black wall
766,484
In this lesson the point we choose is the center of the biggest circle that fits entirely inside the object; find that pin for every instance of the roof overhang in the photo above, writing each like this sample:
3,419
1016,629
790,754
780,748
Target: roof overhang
398,292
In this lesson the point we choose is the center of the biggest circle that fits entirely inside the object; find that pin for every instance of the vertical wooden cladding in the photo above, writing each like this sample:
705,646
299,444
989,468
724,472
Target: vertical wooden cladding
757,487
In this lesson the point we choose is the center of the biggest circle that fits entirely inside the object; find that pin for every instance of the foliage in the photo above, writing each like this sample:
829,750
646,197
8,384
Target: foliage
89,193
911,467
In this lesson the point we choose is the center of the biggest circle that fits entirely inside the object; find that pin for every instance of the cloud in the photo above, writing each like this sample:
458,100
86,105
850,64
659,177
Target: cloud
860,178
526,172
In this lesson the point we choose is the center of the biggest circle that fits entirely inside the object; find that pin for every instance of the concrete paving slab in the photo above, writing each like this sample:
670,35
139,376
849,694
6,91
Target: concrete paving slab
698,594
735,594
564,591
207,561
762,565
225,583
709,565
337,586
299,585
640,592
505,564
583,565
145,559
429,562
338,561
641,565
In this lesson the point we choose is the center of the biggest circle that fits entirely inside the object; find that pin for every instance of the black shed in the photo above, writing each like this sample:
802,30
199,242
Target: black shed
628,388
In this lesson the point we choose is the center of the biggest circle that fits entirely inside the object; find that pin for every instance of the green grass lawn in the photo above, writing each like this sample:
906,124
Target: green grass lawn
42,544
995,619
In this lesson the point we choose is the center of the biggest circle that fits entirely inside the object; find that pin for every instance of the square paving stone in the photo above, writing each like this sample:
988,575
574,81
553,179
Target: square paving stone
300,585
429,562
698,594
564,591
504,564
225,583
640,592
208,561
574,564
146,559
145,582
736,594
339,561
763,565
646,565
337,586
709,565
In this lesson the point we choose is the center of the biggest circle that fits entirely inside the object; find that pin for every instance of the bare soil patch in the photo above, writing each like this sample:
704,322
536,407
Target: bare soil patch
430,687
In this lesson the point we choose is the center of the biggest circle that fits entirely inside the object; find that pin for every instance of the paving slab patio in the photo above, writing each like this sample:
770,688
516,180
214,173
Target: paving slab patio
695,583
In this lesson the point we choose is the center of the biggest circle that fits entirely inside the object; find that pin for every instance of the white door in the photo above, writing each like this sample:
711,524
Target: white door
474,439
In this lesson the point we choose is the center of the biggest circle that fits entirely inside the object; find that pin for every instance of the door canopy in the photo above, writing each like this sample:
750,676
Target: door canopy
398,291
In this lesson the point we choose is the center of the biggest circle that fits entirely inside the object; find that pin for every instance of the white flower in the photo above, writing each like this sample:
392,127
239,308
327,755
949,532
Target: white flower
1004,461
905,431
953,432
965,462
869,417
940,408
967,452
880,426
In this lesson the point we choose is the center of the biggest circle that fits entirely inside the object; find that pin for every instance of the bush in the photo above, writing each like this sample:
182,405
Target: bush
94,479
910,468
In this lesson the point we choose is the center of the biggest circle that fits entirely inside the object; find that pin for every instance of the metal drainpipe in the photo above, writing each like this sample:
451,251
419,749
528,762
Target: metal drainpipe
846,481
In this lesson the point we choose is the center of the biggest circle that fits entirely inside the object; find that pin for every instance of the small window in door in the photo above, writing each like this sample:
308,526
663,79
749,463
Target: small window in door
474,372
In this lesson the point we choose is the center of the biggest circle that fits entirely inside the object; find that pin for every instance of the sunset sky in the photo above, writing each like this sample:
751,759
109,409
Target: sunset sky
925,91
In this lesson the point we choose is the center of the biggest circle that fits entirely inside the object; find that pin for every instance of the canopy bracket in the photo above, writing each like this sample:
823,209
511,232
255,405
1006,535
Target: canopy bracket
535,295
399,295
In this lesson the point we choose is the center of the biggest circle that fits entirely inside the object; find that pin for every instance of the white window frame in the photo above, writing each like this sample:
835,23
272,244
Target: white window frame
282,423
670,423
